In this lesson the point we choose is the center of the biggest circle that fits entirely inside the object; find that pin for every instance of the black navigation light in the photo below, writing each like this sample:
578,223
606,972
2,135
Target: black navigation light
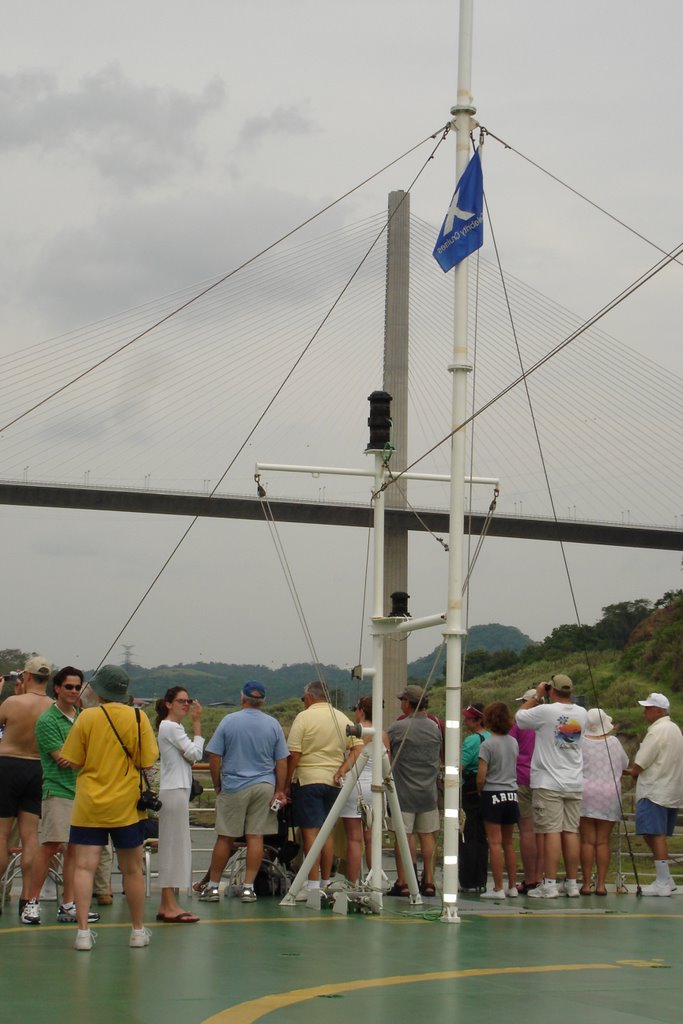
379,421
399,605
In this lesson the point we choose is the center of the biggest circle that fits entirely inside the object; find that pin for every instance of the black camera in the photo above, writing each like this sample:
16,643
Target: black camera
548,687
149,801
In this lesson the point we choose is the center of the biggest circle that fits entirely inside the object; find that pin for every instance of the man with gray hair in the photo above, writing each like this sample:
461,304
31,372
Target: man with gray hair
21,776
658,771
248,764
556,780
318,744
416,748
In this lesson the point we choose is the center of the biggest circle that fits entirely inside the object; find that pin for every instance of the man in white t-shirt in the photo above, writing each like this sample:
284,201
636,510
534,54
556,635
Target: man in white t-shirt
658,770
556,779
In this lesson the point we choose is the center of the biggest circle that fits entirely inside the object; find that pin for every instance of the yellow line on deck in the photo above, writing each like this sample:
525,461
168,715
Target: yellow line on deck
255,1009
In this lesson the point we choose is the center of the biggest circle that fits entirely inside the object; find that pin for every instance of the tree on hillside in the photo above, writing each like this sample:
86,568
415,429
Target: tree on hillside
618,622
12,660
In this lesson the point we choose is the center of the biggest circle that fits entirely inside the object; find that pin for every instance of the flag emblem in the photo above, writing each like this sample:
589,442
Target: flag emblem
462,231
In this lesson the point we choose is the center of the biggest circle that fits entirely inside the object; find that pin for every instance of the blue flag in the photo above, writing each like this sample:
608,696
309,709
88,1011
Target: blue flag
462,231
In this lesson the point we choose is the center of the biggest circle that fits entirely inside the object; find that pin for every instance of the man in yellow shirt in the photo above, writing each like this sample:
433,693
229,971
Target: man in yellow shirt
317,744
110,744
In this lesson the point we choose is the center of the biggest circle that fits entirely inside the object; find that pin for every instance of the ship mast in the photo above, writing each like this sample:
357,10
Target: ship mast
459,368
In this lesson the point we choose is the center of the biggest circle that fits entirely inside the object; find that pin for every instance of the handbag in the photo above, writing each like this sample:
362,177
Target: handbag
148,799
196,789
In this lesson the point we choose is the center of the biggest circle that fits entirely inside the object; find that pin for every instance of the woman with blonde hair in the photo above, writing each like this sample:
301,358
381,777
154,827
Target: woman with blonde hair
604,760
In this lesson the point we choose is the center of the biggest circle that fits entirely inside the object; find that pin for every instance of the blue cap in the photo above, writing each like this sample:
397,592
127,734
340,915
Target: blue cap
254,690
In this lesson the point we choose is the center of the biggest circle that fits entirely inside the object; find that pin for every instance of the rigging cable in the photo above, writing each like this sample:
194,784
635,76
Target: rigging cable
580,195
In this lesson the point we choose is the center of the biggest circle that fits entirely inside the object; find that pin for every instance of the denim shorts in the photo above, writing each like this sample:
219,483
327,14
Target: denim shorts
653,819
124,837
311,804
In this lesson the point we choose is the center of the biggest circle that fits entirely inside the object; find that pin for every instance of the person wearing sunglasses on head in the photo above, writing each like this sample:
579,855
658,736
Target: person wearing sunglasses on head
20,771
59,790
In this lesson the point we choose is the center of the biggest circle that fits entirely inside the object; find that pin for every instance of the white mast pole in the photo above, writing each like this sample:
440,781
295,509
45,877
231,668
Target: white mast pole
462,118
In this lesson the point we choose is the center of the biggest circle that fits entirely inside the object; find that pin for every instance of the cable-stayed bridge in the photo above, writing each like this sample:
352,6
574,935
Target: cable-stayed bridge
148,402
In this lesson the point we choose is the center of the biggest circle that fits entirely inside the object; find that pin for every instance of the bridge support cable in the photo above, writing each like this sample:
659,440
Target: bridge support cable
644,278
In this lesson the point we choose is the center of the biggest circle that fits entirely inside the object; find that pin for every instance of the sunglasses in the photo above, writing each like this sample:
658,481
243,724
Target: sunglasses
183,700
71,686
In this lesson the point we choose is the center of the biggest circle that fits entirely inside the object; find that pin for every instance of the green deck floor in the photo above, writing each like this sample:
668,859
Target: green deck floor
590,959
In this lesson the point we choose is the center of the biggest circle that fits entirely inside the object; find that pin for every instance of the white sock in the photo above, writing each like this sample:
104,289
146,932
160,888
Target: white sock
312,885
662,871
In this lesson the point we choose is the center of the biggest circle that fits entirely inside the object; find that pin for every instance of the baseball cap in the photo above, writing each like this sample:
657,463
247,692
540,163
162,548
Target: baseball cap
413,694
38,666
561,684
527,695
253,689
472,712
655,700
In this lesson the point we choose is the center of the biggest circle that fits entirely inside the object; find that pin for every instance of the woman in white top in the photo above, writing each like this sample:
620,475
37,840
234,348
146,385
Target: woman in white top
178,753
604,760
351,815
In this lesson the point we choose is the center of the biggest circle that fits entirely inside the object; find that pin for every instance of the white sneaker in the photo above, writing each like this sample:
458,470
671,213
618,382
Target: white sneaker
139,937
85,940
31,913
656,889
571,890
493,894
248,895
512,892
544,891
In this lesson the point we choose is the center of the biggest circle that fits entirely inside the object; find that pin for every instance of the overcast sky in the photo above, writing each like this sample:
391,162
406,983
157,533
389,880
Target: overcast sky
146,146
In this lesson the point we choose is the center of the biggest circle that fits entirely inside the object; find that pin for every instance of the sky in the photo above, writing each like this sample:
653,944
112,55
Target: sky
144,147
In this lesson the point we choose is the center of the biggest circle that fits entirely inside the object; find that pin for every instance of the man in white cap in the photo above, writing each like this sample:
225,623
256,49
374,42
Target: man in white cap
658,771
21,776
556,780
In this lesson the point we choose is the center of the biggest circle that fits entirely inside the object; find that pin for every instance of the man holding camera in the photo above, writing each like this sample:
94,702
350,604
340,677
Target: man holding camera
111,745
556,779
248,764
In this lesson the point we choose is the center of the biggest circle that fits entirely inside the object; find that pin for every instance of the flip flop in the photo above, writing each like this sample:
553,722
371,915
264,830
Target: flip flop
184,918
586,892
600,892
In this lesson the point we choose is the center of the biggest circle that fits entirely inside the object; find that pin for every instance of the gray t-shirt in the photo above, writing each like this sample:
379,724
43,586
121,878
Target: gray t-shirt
417,765
500,754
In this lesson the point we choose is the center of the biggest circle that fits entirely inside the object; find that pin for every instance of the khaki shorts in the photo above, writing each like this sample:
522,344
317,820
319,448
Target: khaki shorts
422,821
555,811
524,801
246,812
55,820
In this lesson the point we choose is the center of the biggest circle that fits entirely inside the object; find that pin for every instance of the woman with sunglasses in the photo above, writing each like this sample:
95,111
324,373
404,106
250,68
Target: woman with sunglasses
178,753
